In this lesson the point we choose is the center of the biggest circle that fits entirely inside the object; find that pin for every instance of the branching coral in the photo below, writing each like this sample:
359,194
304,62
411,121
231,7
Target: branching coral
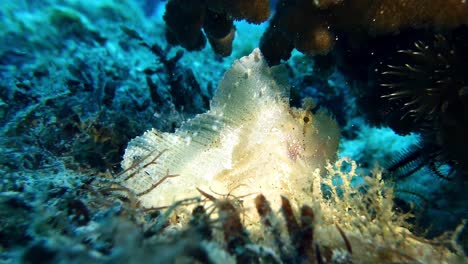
186,19
365,213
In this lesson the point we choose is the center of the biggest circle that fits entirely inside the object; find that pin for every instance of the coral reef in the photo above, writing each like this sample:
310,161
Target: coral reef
233,169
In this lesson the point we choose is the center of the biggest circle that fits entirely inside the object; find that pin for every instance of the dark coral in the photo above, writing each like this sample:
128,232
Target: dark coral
253,11
187,31
185,21
430,89
405,60
296,24
220,32
312,27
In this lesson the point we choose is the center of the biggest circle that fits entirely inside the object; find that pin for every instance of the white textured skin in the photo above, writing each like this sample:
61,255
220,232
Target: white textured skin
250,141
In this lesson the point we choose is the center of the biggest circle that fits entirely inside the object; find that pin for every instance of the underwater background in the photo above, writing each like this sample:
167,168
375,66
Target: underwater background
80,79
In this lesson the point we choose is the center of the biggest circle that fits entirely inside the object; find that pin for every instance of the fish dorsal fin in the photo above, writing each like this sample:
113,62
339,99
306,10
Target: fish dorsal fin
248,82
